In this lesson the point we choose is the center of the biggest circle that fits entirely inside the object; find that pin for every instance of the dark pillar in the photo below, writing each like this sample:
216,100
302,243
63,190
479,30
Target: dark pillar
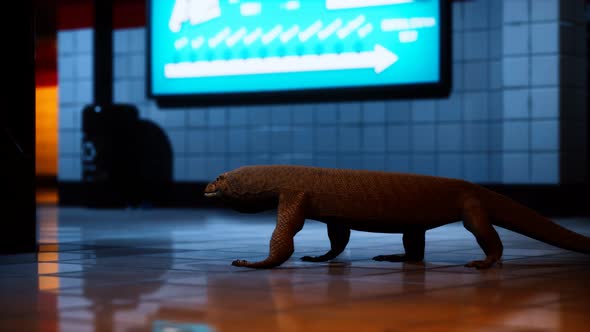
588,96
103,52
17,136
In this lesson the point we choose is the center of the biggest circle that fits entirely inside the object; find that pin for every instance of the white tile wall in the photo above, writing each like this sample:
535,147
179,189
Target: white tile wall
373,112
450,109
516,11
476,15
495,73
181,169
545,10
69,168
66,118
475,106
475,45
476,75
477,167
545,70
496,101
121,41
423,164
496,43
449,137
516,168
423,111
545,102
398,163
516,39
328,113
500,124
65,42
84,66
66,93
84,41
65,67
304,114
197,118
75,73
303,141
457,46
423,138
398,138
178,139
516,71
374,139
457,12
545,135
84,91
375,162
516,104
545,37
349,112
476,137
450,165
516,136
545,168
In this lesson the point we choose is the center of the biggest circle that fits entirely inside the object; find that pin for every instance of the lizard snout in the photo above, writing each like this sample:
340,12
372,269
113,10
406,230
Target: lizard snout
212,191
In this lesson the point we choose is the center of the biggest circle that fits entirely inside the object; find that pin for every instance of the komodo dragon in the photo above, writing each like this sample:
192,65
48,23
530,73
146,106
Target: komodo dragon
383,202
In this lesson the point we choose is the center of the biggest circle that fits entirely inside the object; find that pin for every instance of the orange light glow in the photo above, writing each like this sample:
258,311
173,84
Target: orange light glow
48,283
46,131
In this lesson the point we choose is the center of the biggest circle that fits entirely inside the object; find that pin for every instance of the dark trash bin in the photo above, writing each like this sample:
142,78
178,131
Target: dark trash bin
126,161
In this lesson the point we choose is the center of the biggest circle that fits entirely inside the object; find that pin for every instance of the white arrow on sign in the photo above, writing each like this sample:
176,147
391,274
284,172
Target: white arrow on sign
379,59
347,4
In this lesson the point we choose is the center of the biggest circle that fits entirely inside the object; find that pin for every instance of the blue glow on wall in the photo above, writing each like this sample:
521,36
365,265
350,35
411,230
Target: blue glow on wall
235,46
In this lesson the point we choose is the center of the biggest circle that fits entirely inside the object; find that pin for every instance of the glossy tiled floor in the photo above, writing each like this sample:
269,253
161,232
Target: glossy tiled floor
169,270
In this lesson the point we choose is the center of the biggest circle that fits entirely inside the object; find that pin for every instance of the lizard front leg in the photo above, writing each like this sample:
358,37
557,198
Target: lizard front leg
414,244
290,219
339,236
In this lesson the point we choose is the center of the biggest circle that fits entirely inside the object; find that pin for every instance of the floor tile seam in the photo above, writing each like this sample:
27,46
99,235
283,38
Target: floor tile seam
153,258
76,274
536,256
97,266
109,283
556,251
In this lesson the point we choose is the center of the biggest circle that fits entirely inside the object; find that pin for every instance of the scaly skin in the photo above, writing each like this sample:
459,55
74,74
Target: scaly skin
381,202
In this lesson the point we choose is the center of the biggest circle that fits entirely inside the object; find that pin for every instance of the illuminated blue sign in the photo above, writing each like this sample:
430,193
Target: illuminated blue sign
214,47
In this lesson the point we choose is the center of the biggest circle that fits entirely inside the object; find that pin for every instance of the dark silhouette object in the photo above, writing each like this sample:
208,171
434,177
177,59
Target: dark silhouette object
126,161
383,202
17,133
18,201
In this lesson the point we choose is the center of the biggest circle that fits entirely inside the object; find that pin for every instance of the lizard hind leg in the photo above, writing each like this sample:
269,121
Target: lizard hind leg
339,236
475,220
414,242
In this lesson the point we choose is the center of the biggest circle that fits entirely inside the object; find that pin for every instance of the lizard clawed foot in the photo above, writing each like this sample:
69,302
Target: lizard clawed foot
391,258
240,262
314,259
485,264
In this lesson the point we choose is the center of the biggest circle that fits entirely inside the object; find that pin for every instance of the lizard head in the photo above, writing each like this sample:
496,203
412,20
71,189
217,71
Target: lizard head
245,189
218,187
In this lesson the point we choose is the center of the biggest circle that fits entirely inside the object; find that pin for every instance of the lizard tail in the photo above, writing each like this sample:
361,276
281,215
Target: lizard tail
516,217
